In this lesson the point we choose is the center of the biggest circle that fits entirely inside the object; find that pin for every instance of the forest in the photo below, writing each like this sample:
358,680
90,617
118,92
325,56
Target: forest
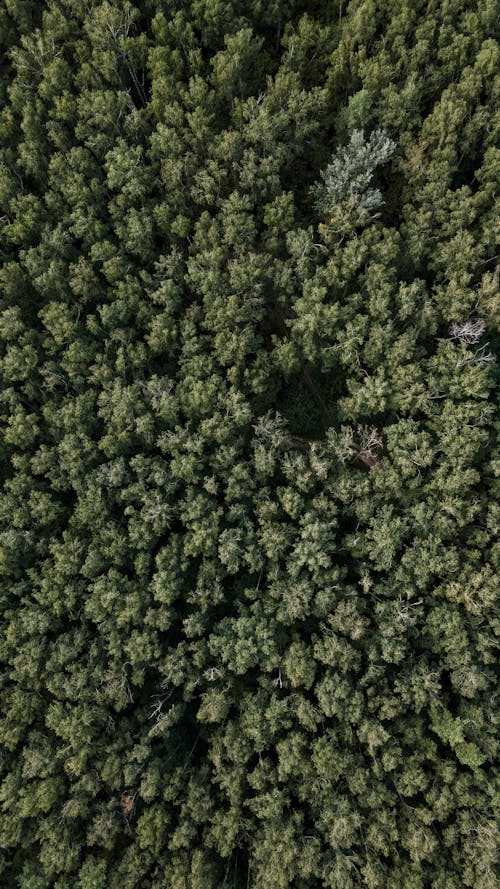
249,320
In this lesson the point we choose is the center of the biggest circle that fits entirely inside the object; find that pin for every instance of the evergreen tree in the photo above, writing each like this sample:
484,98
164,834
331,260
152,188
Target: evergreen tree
248,512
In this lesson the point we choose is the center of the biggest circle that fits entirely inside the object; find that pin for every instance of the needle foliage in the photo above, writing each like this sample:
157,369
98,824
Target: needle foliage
249,505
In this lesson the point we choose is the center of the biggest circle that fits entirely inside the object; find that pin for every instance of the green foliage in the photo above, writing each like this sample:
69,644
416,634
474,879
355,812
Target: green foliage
345,194
249,484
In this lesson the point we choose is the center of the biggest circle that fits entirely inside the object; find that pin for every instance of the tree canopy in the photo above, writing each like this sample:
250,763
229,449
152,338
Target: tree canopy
249,475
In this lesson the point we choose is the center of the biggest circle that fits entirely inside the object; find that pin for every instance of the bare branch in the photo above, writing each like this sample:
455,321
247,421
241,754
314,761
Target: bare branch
468,332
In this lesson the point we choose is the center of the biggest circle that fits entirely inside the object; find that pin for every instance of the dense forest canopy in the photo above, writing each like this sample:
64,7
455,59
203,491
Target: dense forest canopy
248,325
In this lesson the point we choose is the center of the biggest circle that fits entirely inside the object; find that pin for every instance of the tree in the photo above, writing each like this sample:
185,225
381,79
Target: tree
345,195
